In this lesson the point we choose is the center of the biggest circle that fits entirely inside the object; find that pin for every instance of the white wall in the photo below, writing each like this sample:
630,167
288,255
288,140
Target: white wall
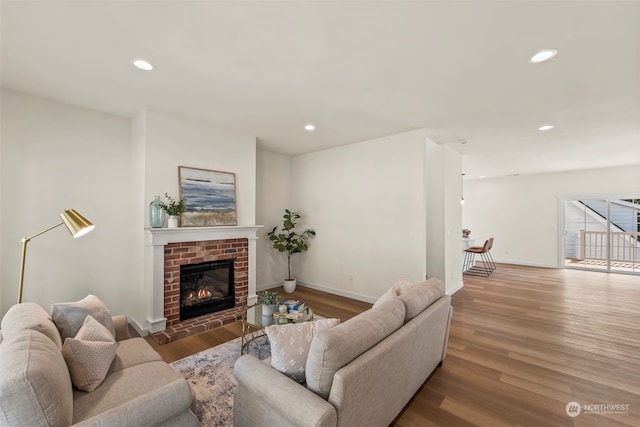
55,157
173,141
366,203
443,175
522,212
273,195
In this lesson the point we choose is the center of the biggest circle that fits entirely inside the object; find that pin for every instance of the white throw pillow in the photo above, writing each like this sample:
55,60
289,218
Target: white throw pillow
390,294
401,285
69,316
89,355
290,345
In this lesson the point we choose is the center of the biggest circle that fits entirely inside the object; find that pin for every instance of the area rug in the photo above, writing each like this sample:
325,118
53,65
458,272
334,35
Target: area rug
210,374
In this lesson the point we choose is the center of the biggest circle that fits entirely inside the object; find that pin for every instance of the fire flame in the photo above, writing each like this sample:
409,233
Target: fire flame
204,293
200,294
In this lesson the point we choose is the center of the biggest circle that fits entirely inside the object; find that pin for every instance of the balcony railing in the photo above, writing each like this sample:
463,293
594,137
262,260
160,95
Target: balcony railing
624,245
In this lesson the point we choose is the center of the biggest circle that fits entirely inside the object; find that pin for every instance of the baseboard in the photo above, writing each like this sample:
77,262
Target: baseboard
326,289
455,289
266,286
527,264
339,292
139,329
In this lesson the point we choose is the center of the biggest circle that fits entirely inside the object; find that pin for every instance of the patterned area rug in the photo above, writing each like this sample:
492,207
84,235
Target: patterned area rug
210,374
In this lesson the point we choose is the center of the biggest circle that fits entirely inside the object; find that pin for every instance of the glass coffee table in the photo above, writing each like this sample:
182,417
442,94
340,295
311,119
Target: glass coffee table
254,322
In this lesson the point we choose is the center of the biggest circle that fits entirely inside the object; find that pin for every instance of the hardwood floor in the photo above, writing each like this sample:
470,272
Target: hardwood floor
324,304
524,343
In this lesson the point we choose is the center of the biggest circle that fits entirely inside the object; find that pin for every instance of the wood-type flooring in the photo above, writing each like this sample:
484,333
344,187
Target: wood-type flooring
524,344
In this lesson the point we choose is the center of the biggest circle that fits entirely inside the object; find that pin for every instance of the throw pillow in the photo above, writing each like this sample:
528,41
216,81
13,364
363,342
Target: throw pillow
390,294
89,355
401,285
290,345
70,316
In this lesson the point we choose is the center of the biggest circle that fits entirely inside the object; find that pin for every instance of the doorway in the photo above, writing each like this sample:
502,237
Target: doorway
602,234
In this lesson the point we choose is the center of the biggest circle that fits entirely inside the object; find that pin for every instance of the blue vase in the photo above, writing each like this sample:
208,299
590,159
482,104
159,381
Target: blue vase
156,213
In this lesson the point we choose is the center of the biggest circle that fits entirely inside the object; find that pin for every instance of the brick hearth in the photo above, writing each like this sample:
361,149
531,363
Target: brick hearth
177,254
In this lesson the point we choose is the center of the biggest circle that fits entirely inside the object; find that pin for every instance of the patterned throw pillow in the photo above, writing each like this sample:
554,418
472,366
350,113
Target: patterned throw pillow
290,345
89,355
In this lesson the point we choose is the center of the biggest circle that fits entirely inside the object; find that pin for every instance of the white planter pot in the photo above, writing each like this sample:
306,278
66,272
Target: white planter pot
289,285
267,310
173,222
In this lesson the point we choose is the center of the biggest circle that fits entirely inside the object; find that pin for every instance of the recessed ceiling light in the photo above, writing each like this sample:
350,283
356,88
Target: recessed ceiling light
543,55
309,127
546,127
142,64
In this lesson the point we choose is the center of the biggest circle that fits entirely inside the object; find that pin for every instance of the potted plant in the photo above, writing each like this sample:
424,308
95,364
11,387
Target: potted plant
174,209
466,232
290,242
268,299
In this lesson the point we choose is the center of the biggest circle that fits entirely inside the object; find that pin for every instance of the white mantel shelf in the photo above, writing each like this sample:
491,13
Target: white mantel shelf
163,236
155,241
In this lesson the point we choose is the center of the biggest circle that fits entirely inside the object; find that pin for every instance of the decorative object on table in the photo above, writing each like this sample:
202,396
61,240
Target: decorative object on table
290,311
210,197
75,223
281,317
268,299
174,209
156,213
290,242
466,232
293,305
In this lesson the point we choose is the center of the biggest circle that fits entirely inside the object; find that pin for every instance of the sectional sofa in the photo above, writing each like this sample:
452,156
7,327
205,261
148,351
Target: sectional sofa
362,372
44,378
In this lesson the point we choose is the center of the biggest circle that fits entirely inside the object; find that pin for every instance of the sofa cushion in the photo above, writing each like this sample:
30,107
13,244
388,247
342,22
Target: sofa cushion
290,345
89,354
132,352
70,316
29,315
145,394
420,296
334,348
35,389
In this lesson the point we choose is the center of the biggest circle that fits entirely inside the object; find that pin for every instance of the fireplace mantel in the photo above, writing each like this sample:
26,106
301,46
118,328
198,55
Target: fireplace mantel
162,236
157,238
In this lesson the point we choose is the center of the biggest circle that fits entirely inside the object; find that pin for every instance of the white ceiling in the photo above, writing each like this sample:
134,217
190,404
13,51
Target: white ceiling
356,69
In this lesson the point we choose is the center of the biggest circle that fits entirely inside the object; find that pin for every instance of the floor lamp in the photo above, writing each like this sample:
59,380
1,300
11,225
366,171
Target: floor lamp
77,225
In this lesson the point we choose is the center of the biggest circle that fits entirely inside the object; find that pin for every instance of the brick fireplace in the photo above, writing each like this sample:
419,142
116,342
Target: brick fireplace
168,249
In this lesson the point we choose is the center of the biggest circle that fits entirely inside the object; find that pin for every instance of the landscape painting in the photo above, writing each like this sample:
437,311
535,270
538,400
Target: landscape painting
209,197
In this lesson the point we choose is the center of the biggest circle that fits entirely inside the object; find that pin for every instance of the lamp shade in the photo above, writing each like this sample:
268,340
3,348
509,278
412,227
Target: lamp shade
76,223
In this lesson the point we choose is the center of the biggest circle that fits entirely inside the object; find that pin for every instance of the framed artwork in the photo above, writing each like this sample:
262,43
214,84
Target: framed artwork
209,197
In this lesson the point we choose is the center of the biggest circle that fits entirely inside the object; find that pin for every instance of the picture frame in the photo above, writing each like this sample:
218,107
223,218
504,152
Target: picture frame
209,197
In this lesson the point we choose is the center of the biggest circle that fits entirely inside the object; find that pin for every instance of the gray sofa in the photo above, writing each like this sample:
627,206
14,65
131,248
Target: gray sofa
36,388
362,372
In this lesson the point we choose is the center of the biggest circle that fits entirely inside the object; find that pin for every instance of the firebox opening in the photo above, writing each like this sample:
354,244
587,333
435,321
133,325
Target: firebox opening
206,287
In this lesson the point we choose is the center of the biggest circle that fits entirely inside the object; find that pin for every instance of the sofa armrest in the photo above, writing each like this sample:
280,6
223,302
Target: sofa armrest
264,396
121,326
